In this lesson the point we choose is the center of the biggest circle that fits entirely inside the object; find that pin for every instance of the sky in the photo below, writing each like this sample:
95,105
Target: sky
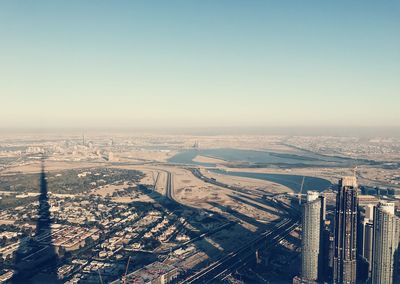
205,63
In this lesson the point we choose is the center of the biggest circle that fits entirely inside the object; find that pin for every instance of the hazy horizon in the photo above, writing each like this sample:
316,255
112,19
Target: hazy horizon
199,141
188,64
363,132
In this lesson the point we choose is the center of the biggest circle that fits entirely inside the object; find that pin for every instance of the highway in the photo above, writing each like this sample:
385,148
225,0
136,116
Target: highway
216,271
293,212
203,235
199,175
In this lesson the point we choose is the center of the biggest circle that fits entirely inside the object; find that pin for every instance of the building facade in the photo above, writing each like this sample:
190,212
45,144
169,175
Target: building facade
311,220
385,245
367,242
345,255
365,236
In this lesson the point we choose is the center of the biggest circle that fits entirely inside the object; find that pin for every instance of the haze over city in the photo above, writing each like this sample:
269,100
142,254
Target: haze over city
198,142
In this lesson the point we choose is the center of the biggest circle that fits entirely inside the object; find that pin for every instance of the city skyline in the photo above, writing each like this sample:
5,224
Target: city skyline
199,64
190,209
191,142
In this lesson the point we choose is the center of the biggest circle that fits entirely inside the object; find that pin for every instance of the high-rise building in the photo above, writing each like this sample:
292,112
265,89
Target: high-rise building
385,244
345,256
324,243
331,253
323,209
367,242
311,219
365,236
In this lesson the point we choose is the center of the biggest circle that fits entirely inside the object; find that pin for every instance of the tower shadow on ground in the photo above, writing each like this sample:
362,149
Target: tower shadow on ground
36,258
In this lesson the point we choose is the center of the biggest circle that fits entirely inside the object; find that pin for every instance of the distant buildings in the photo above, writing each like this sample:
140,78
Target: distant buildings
365,236
385,243
311,219
345,255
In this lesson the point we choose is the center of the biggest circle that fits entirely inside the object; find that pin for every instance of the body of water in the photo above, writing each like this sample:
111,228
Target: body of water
291,181
253,157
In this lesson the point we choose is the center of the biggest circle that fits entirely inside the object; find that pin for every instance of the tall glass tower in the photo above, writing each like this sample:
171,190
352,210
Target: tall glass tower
345,256
311,219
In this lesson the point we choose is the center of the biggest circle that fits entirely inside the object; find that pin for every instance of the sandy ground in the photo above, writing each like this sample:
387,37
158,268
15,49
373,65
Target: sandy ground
376,177
207,159
194,192
144,155
7,222
248,183
331,174
35,167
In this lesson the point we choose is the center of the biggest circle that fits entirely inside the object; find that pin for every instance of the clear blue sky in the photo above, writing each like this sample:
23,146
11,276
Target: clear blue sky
199,63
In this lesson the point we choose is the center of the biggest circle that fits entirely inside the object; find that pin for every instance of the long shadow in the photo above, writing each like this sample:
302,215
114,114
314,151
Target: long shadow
245,200
237,214
36,259
206,245
177,209
280,209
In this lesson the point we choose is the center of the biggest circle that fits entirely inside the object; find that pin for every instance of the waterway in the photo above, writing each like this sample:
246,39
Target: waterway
263,158
291,181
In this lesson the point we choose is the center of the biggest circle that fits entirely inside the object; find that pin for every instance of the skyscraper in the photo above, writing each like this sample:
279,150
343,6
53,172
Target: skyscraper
311,215
323,262
345,256
365,240
386,241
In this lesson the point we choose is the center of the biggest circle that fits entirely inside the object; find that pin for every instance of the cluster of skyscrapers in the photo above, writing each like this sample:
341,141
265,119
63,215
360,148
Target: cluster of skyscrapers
360,247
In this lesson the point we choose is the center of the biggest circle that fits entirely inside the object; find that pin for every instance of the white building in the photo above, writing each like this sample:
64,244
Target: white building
386,241
311,218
